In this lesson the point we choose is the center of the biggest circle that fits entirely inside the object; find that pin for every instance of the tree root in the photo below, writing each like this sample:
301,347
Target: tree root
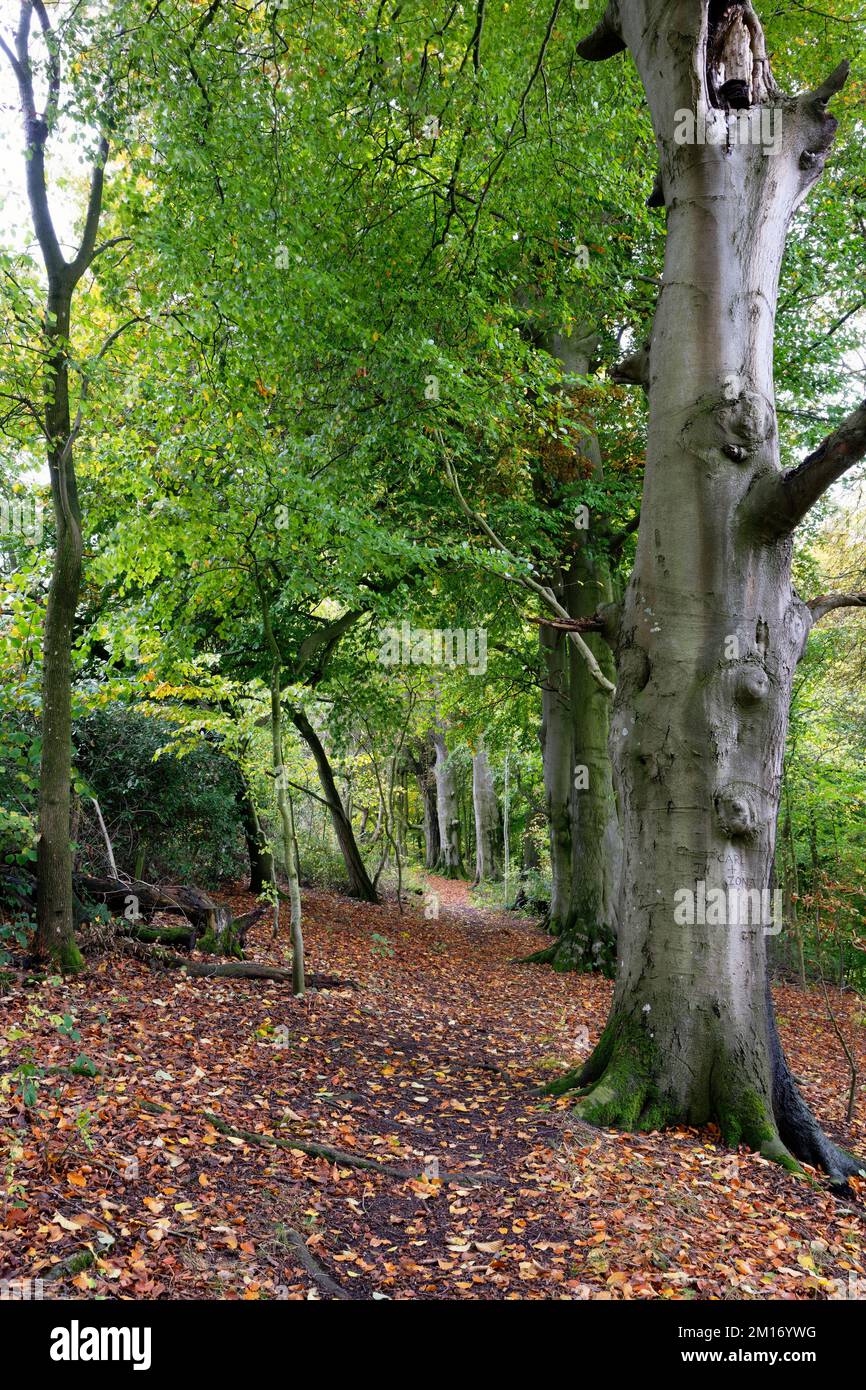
320,1276
584,952
348,1160
619,1087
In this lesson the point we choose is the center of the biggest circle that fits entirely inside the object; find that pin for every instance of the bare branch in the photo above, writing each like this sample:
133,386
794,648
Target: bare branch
825,603
779,501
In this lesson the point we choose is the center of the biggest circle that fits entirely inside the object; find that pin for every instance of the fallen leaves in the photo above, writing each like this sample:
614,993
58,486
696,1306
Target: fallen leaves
429,1070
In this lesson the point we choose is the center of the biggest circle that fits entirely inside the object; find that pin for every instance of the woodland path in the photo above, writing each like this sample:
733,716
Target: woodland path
435,1059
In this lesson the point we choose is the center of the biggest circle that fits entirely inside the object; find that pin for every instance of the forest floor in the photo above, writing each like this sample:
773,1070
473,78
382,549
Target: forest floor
431,1064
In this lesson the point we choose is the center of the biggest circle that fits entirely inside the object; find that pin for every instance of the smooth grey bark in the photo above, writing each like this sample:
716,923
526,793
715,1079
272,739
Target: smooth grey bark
488,822
711,629
448,810
557,757
585,844
284,805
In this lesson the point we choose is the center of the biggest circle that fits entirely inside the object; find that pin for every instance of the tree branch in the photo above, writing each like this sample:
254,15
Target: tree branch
35,134
779,501
545,593
605,39
825,603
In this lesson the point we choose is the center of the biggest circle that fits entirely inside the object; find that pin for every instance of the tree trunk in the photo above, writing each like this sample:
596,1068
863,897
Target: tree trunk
488,823
55,941
596,843
557,752
260,857
360,884
422,757
710,630
447,810
585,843
284,807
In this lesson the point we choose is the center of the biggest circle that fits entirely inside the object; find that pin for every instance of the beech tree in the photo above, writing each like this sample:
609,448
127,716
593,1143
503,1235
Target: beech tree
710,630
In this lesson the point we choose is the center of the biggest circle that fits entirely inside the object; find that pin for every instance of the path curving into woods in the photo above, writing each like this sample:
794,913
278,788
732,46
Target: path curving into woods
390,1141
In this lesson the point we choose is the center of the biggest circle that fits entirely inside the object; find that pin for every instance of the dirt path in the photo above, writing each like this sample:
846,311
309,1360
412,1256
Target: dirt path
432,1066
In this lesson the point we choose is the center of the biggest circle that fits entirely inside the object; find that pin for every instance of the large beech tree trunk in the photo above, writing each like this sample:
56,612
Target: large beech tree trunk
448,810
488,822
710,630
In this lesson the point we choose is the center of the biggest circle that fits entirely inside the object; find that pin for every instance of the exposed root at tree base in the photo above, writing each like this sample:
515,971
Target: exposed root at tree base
618,1088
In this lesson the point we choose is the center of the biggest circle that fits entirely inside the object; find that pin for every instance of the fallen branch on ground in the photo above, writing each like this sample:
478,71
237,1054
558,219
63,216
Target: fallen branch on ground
349,1160
227,970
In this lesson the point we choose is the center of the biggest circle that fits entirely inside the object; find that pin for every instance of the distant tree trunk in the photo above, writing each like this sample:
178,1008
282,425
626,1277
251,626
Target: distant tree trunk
421,756
585,844
448,810
557,750
595,833
284,807
488,823
260,857
360,883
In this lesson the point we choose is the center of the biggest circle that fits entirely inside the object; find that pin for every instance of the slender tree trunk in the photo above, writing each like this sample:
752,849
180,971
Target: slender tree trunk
488,823
710,630
448,810
55,940
360,884
284,808
261,865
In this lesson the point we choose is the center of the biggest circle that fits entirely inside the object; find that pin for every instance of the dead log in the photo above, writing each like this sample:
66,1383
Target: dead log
134,899
228,970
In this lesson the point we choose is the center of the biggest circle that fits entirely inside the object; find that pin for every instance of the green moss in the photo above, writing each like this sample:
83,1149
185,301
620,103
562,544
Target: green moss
226,945
743,1118
67,956
626,1095
83,1260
